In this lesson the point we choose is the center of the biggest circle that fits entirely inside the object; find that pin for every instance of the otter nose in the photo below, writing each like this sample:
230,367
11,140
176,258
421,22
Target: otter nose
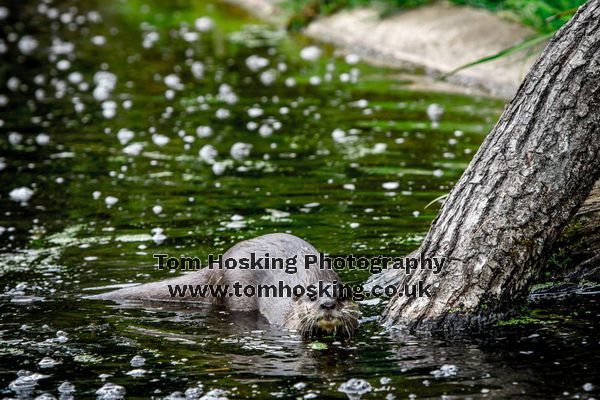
328,304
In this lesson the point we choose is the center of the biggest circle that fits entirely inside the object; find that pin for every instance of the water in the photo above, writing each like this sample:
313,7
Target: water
104,109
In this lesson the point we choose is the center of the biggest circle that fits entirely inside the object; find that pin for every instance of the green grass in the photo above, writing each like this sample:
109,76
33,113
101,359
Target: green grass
542,15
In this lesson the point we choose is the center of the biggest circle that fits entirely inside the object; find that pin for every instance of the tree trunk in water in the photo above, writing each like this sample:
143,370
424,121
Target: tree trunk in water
528,179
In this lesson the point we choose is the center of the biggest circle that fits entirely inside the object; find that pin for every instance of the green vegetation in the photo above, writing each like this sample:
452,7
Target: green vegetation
530,317
521,321
318,346
543,15
560,261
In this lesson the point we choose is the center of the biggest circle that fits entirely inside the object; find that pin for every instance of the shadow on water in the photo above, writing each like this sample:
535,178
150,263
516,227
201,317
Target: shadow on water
122,119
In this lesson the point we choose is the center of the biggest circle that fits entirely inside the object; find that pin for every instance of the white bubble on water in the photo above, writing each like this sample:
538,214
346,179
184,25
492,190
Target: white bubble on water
204,24
173,82
355,388
175,396
75,77
61,47
310,53
227,94
61,337
194,393
98,40
254,112
204,131
4,13
218,168
66,388
109,109
105,83
240,150
362,103
445,371
339,136
208,153
265,130
48,362
197,69
63,65
42,139
352,59
290,82
26,381
15,138
435,112
300,386
190,36
21,194
125,135
110,391
160,140
13,83
349,186
133,149
101,93
149,39
237,222
379,148
188,139
27,44
255,63
137,361
222,113
157,209
110,200
268,77
158,237
136,373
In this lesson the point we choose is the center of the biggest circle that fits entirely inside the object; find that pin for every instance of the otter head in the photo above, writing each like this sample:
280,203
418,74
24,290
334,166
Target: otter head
324,315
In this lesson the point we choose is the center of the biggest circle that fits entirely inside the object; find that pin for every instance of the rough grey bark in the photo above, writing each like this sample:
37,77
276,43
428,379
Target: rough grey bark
529,177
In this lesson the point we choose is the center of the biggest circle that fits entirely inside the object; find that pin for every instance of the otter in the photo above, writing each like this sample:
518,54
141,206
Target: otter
332,312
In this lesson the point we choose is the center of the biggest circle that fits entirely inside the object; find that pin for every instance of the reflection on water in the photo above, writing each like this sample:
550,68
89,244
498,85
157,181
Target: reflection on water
134,127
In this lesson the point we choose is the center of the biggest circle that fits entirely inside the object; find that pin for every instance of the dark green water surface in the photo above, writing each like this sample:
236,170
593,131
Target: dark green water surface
79,72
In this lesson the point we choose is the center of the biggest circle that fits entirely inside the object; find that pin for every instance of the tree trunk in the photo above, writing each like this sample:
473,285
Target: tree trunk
528,179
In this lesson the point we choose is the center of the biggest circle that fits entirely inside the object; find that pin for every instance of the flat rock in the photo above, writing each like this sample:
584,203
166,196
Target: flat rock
439,37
